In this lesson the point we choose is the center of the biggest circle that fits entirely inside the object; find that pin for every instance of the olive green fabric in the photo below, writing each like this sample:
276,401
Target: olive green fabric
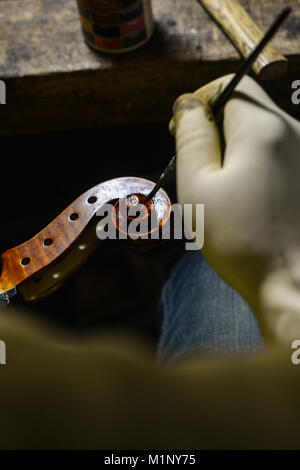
105,392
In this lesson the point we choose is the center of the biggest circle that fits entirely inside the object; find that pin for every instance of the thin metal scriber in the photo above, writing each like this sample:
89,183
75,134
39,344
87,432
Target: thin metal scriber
227,92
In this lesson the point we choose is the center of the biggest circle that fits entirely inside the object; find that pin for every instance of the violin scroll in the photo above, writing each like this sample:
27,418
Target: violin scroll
39,266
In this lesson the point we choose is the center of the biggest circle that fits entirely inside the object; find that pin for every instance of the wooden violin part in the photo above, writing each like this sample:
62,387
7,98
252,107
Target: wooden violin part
39,266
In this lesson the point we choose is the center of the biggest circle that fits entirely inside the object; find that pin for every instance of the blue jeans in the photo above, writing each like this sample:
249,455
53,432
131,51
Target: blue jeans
201,315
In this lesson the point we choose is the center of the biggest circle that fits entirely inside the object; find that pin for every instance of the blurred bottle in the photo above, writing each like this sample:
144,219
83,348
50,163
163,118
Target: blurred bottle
116,26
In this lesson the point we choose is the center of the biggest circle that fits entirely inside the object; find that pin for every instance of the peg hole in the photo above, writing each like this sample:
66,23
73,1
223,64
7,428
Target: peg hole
74,216
92,200
48,241
25,261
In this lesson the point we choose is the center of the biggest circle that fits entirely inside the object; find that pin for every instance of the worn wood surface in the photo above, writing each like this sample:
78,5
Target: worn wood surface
55,81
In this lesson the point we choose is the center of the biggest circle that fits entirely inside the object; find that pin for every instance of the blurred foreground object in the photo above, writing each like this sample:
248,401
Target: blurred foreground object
116,25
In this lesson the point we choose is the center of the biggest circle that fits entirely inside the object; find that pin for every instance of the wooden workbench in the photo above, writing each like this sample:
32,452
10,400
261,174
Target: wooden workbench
55,81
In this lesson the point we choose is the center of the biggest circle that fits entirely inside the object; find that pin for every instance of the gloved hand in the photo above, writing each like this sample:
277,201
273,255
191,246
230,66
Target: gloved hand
252,199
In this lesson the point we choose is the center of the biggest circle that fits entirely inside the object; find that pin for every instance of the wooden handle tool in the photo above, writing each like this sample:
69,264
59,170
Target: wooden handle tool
245,35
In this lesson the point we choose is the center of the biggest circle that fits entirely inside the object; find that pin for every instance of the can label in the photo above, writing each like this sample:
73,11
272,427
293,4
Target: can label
116,25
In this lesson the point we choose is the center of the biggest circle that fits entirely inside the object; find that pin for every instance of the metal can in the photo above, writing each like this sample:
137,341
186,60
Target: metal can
116,26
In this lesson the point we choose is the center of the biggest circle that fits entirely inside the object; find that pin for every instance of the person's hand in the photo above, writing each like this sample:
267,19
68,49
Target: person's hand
252,197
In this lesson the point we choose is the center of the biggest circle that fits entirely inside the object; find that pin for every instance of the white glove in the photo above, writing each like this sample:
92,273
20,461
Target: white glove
252,199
